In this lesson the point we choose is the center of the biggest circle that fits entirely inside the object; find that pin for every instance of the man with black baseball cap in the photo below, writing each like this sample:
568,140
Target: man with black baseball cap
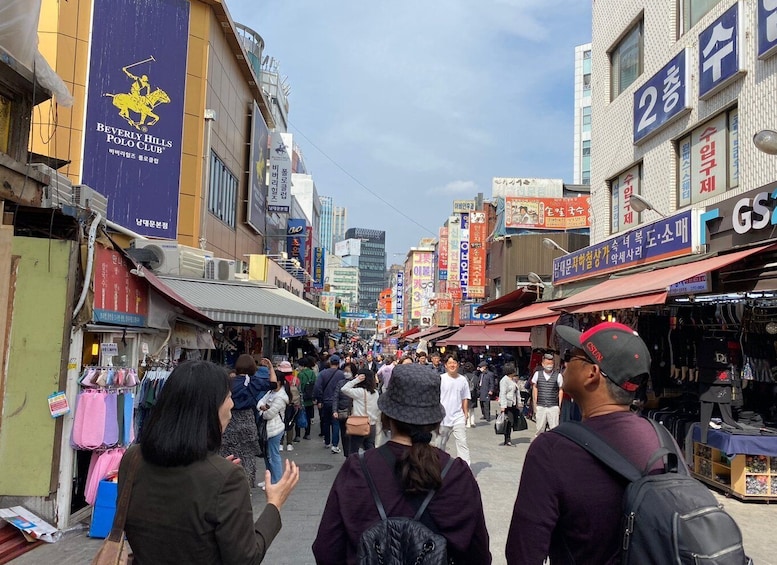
569,505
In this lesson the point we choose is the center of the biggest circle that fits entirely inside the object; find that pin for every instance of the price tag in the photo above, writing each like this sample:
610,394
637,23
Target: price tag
58,405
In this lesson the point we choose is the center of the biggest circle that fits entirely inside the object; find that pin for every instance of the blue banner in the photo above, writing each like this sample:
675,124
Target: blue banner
292,331
475,315
134,111
662,98
669,237
719,52
296,239
767,28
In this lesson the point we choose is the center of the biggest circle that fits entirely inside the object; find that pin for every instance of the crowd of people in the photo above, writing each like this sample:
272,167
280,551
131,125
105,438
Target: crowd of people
392,417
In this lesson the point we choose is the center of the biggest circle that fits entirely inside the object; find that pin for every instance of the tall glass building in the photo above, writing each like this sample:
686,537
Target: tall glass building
372,266
582,166
327,211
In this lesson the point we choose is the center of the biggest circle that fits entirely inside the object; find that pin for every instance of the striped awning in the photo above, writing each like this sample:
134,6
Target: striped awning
245,303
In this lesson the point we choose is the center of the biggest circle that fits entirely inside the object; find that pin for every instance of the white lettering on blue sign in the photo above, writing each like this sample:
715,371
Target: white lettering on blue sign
719,52
662,98
767,28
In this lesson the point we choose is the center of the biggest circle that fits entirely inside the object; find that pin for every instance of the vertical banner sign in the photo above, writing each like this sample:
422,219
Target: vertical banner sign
686,188
733,147
308,263
119,297
134,111
767,28
476,287
708,159
628,184
662,98
400,294
454,284
464,254
279,196
256,216
720,55
423,285
442,262
319,267
295,239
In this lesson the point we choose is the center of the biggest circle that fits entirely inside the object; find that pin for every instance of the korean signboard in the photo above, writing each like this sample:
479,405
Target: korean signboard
662,98
442,258
463,206
423,284
454,243
279,196
767,28
256,213
474,315
649,243
476,287
319,267
547,213
538,188
720,52
120,298
704,158
296,239
134,111
622,187
400,294
463,270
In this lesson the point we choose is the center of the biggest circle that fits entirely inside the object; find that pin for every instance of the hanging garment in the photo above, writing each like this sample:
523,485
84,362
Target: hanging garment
101,465
111,433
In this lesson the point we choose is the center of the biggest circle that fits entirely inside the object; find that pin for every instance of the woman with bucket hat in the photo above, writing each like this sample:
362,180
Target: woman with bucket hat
405,470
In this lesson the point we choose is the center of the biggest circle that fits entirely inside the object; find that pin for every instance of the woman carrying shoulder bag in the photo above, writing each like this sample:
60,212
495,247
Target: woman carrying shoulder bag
361,389
509,400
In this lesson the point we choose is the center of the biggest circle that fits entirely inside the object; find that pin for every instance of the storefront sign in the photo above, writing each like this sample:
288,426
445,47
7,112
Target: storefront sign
666,238
442,255
119,297
292,331
423,284
256,213
662,98
279,196
622,187
109,349
454,243
134,111
400,295
296,237
184,336
694,285
464,254
474,315
720,53
319,267
547,213
767,28
740,220
463,206
476,287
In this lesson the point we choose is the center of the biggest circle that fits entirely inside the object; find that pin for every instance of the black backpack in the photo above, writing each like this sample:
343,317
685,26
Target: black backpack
669,517
307,391
399,540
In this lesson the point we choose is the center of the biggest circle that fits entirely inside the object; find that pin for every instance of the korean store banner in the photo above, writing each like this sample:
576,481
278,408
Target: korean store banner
279,196
547,213
134,111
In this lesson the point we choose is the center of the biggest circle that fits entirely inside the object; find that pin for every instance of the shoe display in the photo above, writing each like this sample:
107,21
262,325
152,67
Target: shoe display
335,449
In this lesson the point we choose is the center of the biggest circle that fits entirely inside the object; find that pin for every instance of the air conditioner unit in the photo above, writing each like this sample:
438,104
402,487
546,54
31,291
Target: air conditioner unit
59,191
86,197
192,261
166,257
220,269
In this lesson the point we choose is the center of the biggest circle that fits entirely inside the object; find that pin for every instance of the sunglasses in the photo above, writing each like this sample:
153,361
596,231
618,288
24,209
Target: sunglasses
568,356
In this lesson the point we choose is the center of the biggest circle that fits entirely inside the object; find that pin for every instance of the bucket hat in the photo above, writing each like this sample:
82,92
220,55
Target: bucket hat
413,395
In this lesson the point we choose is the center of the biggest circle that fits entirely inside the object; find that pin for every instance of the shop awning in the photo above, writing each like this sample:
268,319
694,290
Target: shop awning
411,331
176,299
537,314
486,335
432,333
646,288
237,302
510,302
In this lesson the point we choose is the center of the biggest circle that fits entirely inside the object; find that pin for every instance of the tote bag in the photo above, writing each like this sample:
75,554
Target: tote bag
358,425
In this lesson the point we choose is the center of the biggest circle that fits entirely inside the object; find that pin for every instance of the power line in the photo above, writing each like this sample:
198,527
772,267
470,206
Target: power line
360,183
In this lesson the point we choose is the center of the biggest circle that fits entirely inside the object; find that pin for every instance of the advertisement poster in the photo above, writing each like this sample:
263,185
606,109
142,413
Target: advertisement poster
296,236
257,173
547,213
120,297
279,191
134,111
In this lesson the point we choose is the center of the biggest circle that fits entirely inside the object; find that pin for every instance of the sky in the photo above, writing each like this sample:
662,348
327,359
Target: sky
402,107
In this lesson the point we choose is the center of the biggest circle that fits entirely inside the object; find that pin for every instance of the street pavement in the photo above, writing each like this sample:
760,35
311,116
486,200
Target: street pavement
497,469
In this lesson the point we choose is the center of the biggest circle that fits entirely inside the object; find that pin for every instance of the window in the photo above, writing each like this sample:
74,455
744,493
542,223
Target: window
693,11
587,54
222,191
585,166
708,159
587,82
586,119
626,61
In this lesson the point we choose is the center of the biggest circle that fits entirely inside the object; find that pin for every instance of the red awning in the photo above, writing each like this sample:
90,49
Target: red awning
486,335
509,302
646,288
411,331
537,314
433,333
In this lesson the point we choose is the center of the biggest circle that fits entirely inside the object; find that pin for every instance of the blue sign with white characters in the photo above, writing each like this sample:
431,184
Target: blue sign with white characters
662,98
719,52
767,28
649,243
474,315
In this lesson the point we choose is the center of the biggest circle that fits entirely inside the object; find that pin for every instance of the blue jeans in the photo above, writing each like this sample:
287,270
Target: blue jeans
273,459
331,425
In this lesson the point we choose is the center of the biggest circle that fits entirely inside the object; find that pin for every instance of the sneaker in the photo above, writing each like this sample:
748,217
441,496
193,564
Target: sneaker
260,485
335,449
289,447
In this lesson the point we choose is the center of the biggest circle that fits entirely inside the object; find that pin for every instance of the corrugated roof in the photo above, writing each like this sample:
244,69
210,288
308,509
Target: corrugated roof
238,302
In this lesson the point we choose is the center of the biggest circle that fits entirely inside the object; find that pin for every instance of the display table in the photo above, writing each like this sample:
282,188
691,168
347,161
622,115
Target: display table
744,466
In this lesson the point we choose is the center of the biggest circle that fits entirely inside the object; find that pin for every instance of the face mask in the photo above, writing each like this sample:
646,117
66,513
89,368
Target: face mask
547,369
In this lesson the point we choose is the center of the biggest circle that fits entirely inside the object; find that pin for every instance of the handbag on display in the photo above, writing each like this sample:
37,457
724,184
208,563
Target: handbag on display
115,550
358,425
499,425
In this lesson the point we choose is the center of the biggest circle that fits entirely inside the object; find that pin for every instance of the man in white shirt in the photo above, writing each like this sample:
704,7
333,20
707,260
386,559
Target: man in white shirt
547,394
454,396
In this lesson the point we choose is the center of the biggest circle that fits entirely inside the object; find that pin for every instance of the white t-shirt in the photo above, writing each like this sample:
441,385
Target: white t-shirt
452,392
559,380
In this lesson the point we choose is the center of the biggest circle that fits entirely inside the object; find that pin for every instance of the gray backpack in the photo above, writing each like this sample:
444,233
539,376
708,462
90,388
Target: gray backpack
401,540
668,517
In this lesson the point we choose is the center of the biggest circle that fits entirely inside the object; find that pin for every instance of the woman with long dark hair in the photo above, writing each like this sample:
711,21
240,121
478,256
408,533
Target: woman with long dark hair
188,504
361,390
405,469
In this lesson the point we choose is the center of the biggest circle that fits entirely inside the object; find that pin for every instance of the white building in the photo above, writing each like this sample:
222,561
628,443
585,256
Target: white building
342,280
303,189
339,223
675,86
582,154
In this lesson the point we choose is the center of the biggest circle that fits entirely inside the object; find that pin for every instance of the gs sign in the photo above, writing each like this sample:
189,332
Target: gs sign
756,213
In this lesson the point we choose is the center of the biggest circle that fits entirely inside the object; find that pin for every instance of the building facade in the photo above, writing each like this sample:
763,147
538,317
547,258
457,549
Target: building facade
339,224
372,266
582,152
327,215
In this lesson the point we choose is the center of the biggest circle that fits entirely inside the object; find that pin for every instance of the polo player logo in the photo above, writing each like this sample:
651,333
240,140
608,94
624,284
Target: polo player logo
138,104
